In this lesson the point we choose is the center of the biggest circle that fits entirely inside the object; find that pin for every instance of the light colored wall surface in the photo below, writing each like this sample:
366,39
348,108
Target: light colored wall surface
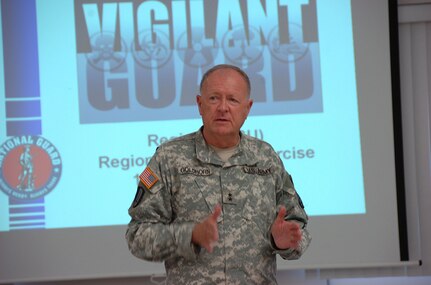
415,71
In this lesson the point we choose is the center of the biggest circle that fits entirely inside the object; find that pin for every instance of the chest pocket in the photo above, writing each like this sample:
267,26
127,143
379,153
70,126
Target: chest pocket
260,205
195,195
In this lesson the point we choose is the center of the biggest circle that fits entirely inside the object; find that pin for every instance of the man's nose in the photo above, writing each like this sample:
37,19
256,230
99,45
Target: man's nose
222,106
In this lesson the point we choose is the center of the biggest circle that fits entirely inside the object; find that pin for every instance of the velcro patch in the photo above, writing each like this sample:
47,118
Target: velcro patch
148,178
138,197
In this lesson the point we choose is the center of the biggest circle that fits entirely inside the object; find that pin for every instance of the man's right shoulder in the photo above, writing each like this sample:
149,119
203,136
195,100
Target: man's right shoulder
179,144
184,139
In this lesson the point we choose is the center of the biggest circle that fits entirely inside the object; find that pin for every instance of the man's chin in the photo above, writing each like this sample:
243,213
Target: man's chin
221,130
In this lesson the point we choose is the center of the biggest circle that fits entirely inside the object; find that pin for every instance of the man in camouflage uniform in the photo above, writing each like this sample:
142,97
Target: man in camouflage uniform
217,205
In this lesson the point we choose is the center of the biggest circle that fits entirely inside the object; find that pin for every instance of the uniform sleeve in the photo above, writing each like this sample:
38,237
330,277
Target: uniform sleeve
152,234
289,198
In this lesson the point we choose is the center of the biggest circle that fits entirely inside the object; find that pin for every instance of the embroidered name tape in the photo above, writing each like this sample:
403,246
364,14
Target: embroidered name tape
194,171
256,170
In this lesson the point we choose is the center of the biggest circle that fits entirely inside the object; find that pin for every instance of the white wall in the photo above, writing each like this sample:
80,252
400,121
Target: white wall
415,65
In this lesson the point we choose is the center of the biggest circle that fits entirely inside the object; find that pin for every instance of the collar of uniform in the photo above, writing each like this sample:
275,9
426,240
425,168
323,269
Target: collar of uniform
242,156
203,152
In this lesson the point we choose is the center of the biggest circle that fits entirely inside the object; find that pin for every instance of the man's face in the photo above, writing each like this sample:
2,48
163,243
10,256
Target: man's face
224,105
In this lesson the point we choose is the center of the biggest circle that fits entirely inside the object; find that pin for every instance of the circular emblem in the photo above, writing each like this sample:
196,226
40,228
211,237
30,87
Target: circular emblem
290,51
153,49
30,167
103,56
202,52
240,47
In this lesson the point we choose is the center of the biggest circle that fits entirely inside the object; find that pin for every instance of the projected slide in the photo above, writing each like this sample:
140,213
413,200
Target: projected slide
87,100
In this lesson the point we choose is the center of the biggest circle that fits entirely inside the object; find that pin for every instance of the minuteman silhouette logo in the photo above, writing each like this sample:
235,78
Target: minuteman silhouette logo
30,167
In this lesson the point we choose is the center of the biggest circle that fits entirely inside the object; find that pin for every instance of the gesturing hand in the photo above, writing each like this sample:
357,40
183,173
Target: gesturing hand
286,234
205,234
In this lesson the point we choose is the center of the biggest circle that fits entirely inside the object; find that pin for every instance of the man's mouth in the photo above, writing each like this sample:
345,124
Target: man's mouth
222,120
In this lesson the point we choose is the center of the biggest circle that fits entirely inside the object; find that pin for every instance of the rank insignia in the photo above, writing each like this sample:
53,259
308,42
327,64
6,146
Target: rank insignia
148,178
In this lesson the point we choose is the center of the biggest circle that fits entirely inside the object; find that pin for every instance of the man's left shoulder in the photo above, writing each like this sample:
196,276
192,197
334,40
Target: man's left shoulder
255,143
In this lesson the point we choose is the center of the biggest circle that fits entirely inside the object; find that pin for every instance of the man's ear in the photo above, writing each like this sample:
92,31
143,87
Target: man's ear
199,103
250,103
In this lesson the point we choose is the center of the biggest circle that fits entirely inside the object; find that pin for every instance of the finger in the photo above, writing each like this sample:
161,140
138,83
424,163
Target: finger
208,248
209,245
297,244
281,213
212,245
295,231
212,232
293,225
216,213
296,235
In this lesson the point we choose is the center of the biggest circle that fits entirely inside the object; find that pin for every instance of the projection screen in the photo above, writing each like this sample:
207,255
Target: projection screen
90,88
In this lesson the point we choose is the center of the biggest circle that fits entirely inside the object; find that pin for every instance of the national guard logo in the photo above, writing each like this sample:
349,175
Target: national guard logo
30,167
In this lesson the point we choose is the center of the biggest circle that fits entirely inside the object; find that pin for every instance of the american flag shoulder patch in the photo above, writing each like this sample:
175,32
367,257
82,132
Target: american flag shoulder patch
148,178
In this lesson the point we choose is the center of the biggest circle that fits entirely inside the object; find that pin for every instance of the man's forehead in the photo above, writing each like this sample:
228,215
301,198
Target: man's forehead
220,76
225,72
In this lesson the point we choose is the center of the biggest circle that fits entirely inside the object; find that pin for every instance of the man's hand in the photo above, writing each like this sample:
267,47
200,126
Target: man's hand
205,234
286,234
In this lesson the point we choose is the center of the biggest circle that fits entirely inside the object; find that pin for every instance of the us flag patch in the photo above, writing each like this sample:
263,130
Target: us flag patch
148,178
